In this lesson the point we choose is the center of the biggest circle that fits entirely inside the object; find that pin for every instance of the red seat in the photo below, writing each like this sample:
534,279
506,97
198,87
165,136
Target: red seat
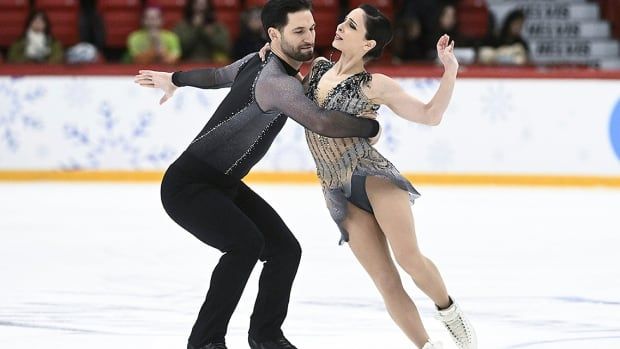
50,4
64,25
120,18
227,5
473,21
129,5
172,17
118,25
332,5
611,11
13,23
13,15
14,4
167,4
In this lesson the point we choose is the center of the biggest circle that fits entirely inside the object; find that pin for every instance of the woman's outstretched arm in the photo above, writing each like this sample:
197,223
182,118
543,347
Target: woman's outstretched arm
385,90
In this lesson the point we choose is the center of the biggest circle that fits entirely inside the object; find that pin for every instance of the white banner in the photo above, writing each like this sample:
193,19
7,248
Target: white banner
495,126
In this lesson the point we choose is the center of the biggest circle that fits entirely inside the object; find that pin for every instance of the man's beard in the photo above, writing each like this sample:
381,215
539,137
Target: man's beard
297,55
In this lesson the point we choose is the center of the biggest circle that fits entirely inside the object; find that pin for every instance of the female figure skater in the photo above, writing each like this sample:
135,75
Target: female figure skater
366,195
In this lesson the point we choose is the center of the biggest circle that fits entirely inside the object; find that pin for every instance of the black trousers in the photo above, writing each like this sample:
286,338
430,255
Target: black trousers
226,214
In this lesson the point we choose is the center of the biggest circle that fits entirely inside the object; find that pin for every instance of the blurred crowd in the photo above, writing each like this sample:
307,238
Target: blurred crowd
423,21
199,37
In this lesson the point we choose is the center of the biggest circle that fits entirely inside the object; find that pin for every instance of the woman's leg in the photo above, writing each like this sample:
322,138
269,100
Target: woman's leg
369,246
393,213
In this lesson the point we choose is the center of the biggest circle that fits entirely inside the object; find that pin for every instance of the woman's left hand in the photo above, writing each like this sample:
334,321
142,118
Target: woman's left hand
263,52
445,53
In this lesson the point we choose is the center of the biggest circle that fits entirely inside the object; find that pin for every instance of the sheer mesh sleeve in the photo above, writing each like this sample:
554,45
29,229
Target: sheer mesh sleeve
210,77
283,93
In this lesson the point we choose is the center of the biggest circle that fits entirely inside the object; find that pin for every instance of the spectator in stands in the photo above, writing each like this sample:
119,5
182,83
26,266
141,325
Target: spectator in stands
36,43
409,44
152,44
446,23
202,37
509,47
251,37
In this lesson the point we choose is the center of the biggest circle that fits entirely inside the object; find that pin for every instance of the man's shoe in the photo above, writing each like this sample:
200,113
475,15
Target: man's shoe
279,343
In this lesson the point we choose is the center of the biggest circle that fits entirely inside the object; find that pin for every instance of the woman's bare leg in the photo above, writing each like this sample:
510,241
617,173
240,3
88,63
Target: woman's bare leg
369,246
393,213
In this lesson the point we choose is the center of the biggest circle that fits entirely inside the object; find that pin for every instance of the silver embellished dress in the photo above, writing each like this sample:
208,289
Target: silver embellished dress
339,159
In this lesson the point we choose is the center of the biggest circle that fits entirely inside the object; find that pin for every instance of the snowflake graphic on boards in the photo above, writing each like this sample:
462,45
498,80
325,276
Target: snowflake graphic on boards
114,144
497,102
15,119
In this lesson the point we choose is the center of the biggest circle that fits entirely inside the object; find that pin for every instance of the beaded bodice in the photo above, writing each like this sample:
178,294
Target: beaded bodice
337,158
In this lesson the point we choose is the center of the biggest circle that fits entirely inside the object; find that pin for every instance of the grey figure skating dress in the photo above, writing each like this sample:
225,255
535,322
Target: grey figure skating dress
344,163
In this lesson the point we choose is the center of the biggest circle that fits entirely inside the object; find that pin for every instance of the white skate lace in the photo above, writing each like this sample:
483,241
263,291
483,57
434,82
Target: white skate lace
458,327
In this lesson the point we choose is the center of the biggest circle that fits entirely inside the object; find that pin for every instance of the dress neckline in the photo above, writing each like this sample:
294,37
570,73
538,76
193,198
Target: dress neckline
331,90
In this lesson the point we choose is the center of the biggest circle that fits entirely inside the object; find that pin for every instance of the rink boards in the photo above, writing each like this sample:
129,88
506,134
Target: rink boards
513,130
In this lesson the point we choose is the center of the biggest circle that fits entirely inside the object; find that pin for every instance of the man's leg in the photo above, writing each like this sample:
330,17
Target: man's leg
281,256
213,217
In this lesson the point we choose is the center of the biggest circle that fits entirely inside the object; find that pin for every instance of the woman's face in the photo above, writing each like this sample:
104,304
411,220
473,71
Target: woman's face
516,27
351,34
38,24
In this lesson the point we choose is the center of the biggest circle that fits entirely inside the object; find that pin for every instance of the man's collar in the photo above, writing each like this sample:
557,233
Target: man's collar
289,70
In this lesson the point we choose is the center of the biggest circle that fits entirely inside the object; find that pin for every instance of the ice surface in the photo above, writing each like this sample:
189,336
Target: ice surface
102,266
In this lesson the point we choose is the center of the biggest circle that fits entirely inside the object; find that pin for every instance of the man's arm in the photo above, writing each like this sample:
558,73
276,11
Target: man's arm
202,78
210,77
286,95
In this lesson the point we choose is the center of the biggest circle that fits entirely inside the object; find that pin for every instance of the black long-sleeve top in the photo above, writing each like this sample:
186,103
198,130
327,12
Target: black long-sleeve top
262,96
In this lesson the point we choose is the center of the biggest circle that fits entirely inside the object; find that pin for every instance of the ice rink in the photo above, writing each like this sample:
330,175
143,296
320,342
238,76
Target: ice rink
102,266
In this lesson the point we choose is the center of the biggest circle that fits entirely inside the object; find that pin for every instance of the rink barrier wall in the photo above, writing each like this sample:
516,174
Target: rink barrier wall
504,126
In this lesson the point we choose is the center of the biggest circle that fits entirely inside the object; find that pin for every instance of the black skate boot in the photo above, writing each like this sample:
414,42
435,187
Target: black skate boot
279,343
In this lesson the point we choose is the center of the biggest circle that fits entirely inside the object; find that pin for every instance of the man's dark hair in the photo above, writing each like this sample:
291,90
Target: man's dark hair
275,13
378,28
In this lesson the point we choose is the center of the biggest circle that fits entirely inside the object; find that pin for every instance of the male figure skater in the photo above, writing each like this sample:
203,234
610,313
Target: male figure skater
202,190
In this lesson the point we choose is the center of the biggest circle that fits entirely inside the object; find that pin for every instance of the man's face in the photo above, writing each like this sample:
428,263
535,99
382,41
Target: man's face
297,37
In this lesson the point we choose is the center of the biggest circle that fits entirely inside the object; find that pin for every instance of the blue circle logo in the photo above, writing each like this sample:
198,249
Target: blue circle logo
614,129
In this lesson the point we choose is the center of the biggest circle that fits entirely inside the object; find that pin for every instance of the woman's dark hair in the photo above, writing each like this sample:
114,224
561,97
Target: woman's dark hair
378,28
188,12
512,16
275,13
43,15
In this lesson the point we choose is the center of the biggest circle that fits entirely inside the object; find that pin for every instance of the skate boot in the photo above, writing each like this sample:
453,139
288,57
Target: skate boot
432,345
208,346
279,343
459,327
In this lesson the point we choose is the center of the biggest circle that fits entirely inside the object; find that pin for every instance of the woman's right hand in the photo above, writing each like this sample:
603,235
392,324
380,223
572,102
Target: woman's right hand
157,79
445,53
263,51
